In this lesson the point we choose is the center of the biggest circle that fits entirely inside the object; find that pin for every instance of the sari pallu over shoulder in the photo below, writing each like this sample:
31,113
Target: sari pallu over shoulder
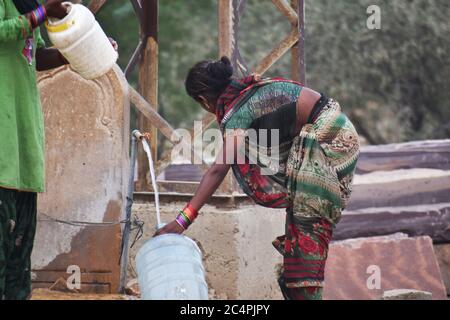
261,188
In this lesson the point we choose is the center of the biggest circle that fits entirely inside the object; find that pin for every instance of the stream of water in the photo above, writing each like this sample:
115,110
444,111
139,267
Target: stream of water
153,176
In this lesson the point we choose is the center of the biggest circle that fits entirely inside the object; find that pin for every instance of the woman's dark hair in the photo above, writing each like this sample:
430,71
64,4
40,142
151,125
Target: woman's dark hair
209,78
25,6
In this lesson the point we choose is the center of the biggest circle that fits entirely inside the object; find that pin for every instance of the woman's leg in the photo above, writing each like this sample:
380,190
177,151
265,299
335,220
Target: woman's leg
305,251
18,269
306,293
7,224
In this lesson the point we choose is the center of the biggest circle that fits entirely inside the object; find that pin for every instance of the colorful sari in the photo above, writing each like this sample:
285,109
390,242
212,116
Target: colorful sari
314,180
267,191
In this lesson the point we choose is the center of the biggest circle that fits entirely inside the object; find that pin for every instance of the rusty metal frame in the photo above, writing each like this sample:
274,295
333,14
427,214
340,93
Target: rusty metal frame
146,55
96,5
230,12
229,15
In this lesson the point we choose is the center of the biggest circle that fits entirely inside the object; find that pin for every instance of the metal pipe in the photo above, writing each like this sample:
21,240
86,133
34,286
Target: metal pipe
134,58
136,135
301,41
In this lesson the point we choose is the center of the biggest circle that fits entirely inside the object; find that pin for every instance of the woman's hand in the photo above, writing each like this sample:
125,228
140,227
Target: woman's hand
172,227
114,43
256,76
55,9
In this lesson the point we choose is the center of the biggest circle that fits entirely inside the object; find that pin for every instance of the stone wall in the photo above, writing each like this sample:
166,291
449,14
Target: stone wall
87,144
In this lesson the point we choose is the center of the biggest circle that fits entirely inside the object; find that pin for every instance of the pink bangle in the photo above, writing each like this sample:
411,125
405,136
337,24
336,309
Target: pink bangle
181,222
38,16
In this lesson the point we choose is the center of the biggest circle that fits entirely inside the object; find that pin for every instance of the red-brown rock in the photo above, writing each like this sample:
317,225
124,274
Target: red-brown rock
401,262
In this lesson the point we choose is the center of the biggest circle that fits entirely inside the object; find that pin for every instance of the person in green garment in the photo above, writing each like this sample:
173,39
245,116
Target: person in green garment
22,52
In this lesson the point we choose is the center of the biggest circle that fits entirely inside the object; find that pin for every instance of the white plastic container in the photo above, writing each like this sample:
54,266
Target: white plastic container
169,267
82,42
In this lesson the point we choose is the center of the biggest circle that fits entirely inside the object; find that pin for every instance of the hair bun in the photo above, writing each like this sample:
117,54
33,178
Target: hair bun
221,69
225,60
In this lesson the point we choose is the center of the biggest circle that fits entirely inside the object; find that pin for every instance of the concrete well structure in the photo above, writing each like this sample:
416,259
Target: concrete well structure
87,161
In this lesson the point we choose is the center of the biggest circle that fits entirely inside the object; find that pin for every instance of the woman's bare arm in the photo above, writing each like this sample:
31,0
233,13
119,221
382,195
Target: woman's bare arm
209,184
210,181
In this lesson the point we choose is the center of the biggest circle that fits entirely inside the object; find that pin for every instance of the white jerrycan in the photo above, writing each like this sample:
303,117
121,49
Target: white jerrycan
82,42
169,267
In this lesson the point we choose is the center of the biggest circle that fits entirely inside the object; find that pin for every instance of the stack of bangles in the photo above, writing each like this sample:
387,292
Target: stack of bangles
186,216
38,16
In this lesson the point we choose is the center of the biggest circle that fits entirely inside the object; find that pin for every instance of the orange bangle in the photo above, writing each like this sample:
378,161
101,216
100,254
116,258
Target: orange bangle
190,212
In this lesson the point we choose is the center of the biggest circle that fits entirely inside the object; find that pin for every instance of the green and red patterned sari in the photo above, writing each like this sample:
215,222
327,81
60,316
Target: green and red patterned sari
312,175
242,104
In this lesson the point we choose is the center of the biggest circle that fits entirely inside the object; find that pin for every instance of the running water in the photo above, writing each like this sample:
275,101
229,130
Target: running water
155,187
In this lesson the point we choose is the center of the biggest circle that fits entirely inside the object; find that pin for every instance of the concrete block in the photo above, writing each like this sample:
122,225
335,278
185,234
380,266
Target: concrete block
442,252
406,294
87,147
